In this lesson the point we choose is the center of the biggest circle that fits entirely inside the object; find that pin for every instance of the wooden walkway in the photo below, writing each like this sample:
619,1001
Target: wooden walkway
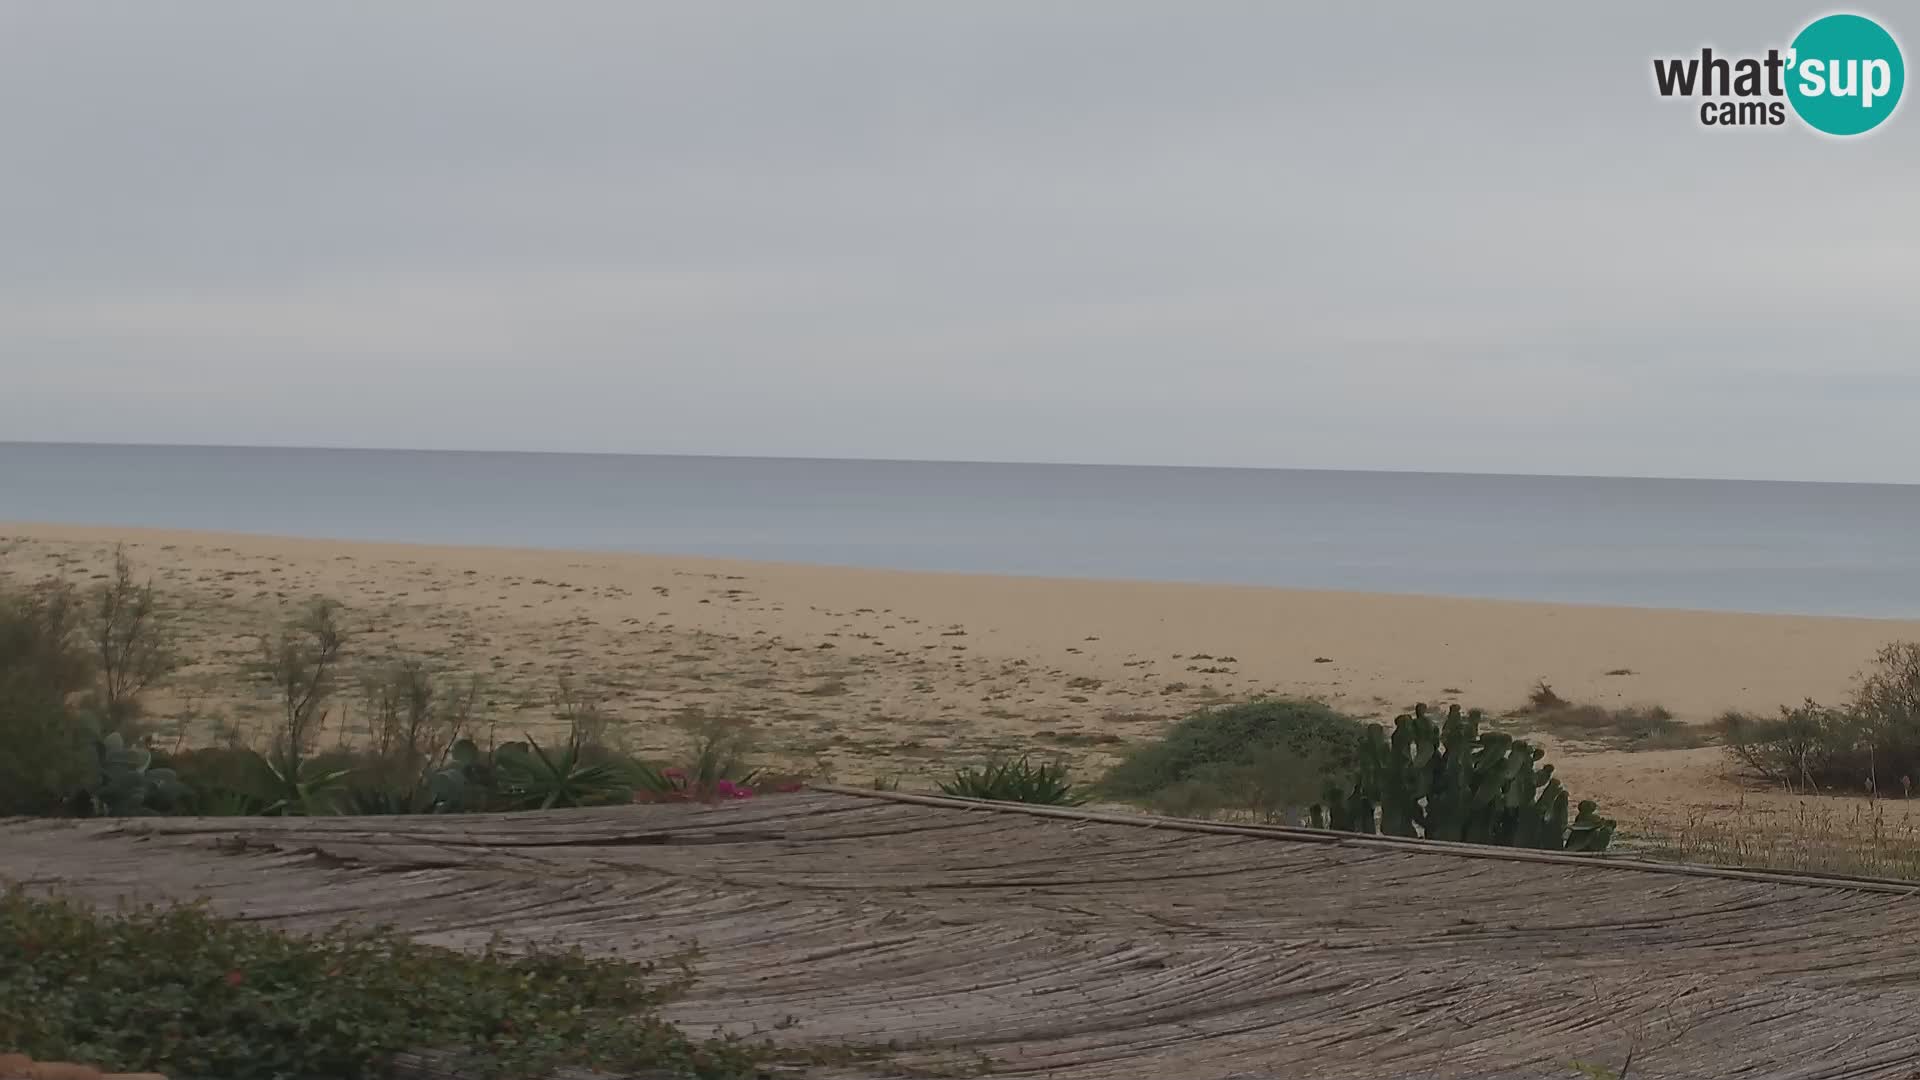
1090,947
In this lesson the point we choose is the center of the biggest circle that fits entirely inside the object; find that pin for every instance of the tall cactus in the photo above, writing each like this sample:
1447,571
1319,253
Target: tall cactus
1452,781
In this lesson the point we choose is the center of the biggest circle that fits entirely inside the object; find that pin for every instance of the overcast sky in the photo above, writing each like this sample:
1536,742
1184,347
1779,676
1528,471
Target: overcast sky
1403,236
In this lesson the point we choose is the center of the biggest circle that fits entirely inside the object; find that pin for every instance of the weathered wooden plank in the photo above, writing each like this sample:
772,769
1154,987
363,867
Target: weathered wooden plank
1090,946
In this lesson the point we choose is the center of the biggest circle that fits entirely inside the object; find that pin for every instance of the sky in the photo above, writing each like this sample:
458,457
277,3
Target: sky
1462,237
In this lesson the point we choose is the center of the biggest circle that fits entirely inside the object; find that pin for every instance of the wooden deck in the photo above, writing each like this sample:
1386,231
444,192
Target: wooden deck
1087,947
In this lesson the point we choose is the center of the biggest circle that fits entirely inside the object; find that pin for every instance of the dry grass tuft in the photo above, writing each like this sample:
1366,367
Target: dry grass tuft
1851,837
1632,727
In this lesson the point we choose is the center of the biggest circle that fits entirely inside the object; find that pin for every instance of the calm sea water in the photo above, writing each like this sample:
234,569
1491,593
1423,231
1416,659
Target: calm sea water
1842,549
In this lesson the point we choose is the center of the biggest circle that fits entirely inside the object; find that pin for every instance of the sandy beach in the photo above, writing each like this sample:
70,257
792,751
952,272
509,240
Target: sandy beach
859,674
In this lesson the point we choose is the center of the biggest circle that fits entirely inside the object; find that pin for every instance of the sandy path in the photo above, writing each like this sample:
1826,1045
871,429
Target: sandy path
878,673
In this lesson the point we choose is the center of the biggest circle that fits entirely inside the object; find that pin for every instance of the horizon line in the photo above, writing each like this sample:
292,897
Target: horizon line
938,461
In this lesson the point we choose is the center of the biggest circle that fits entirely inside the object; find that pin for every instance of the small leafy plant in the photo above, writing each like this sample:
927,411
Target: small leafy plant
305,787
1016,780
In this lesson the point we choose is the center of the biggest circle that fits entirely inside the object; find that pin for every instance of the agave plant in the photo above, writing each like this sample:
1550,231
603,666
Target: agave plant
531,777
303,788
1016,780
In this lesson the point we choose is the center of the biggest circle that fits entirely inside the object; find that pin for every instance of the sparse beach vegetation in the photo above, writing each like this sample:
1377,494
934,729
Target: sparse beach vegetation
268,703
75,663
1869,744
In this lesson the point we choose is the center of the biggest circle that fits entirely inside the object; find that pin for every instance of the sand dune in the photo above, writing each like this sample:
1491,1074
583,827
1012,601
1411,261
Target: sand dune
864,673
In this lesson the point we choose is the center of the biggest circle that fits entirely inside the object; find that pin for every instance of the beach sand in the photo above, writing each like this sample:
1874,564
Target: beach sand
861,674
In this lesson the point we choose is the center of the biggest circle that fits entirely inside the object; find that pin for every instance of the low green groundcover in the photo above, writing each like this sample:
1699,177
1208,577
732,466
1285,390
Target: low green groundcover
183,992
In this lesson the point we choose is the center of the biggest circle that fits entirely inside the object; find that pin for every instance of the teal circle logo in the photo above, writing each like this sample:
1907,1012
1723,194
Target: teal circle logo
1845,74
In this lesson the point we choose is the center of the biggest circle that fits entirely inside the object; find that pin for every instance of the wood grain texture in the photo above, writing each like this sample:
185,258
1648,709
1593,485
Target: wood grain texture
1089,946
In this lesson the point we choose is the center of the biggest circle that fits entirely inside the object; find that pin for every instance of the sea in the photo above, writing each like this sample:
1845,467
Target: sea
1725,545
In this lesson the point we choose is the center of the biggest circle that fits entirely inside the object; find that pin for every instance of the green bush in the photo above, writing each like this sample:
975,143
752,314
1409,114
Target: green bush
415,715
1887,708
132,644
1015,780
420,761
1263,756
1806,747
73,665
1871,744
181,992
46,747
221,781
1273,784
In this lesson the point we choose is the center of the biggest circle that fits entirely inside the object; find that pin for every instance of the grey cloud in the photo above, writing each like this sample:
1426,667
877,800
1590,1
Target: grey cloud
1233,233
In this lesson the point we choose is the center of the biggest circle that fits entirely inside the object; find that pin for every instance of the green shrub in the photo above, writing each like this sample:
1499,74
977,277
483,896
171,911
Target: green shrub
1264,756
1453,781
221,781
181,992
421,759
1806,747
132,642
1887,707
45,761
1015,780
46,748
416,714
302,664
1871,744
1273,784
73,665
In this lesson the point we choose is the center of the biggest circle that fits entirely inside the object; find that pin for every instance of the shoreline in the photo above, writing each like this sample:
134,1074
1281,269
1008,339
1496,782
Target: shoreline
93,531
317,448
870,673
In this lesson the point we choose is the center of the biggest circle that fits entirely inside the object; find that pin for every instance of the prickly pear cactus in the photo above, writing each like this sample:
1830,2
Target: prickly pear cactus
1452,781
124,785
1590,831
